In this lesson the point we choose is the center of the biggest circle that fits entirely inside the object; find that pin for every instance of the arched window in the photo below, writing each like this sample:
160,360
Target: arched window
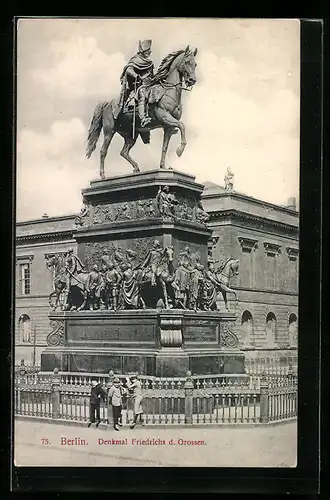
25,328
247,328
271,329
293,329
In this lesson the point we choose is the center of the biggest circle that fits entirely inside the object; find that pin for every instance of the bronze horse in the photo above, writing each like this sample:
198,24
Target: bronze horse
165,111
73,299
228,269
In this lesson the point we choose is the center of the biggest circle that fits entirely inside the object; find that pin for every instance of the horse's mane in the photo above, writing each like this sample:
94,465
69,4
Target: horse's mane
165,65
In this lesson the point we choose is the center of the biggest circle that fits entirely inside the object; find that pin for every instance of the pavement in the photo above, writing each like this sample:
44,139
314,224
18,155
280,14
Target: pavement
58,445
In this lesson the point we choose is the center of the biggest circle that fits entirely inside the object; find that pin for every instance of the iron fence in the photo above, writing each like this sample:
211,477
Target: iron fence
216,399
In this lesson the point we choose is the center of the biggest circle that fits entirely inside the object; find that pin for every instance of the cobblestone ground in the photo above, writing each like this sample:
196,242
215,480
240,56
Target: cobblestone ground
46,444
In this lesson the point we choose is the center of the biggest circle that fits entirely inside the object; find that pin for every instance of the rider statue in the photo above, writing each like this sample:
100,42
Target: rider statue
73,266
136,77
153,260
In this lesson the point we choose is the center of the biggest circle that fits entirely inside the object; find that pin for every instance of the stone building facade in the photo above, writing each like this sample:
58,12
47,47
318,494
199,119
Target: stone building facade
36,239
263,236
265,239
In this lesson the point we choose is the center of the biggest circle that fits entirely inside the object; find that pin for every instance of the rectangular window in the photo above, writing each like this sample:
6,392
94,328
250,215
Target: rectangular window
246,268
271,271
24,279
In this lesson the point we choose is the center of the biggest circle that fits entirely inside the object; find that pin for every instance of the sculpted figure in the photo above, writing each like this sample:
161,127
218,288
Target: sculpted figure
186,258
153,260
201,215
181,285
112,279
211,286
196,287
141,209
83,213
130,288
73,266
150,209
166,202
229,177
136,79
94,287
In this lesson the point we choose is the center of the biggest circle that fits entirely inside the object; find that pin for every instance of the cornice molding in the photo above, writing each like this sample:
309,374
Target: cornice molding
46,236
243,216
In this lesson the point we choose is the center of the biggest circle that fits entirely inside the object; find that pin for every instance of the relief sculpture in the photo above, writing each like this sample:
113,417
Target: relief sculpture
139,276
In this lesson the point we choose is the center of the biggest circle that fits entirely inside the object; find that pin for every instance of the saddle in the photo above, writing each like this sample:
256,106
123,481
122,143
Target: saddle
153,95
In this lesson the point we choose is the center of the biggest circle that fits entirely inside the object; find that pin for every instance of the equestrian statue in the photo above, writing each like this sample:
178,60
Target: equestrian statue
147,101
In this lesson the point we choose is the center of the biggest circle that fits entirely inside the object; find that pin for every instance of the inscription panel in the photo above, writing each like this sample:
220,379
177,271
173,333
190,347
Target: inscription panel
109,332
201,332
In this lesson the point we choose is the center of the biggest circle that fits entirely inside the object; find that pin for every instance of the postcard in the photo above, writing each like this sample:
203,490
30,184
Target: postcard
157,242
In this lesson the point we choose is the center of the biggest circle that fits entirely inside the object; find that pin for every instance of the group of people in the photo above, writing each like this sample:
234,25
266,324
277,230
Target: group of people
115,395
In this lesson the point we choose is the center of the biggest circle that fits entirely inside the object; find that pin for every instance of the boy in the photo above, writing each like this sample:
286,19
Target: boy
115,394
135,384
95,400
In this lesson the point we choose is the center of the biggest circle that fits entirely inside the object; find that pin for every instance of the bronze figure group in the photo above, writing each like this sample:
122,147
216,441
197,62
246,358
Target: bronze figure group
121,281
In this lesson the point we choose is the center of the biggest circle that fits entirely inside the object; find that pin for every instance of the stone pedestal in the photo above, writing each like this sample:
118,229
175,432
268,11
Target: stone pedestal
121,213
121,219
162,343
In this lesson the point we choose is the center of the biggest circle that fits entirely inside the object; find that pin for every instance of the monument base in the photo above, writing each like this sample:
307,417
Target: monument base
163,343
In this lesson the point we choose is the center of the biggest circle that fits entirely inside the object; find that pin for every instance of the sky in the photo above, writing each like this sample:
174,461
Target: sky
243,111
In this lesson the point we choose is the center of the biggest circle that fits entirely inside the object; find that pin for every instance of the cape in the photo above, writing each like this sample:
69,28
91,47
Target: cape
138,63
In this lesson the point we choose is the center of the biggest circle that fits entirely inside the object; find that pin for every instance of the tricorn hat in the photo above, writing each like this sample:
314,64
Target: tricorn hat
144,45
116,381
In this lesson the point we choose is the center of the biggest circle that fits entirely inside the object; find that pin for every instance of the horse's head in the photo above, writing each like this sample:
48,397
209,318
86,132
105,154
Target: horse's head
187,67
169,253
234,267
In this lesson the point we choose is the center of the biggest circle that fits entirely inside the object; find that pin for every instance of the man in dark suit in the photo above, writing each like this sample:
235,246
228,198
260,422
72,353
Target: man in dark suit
97,393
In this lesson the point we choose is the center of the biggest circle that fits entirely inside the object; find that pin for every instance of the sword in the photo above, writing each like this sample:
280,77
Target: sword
134,111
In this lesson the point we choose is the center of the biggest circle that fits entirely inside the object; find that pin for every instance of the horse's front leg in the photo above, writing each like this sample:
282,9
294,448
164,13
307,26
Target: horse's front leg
168,132
168,120
163,285
224,295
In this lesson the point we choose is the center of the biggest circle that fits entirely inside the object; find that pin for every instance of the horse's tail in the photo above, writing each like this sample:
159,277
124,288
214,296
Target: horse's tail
95,128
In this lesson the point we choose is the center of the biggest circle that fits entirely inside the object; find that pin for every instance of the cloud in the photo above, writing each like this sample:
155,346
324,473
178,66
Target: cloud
80,69
51,169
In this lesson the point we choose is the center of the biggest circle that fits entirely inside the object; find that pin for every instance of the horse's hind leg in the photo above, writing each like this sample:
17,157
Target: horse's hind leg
129,143
104,149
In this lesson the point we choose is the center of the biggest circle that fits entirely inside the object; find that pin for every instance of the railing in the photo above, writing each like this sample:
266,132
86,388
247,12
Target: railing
217,399
29,368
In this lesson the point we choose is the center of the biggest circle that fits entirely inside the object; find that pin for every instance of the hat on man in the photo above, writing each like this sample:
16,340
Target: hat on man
144,45
116,381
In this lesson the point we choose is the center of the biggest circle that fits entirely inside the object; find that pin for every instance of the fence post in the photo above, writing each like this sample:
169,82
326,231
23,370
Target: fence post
55,385
188,393
264,399
22,369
